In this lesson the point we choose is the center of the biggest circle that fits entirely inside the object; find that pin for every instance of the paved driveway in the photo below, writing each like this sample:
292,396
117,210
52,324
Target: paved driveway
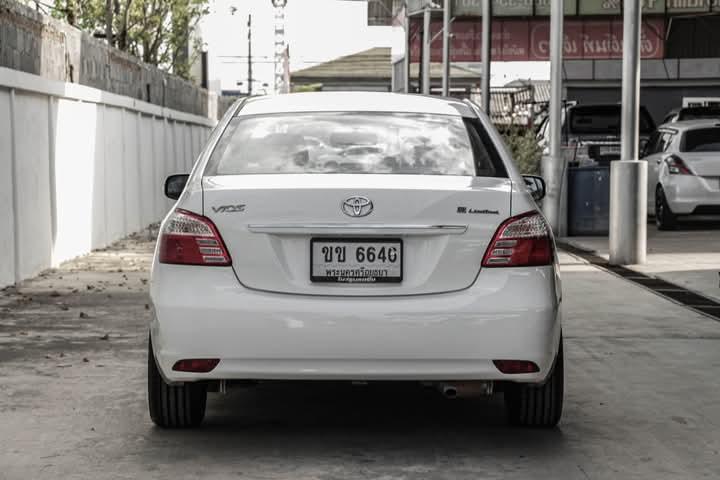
688,256
642,397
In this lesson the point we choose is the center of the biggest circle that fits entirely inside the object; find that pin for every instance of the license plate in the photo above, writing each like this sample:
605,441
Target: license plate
356,260
610,150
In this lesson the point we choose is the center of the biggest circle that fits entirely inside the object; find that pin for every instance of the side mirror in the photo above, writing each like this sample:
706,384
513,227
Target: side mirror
536,186
175,184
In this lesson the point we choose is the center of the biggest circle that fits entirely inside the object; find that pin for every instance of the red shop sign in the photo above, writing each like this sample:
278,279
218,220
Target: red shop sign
597,39
519,40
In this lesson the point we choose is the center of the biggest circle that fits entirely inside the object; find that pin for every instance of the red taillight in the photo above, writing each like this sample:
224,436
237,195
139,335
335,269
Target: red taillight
521,241
676,166
196,365
191,239
516,366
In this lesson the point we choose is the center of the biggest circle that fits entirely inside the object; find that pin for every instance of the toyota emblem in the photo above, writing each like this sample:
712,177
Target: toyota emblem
357,206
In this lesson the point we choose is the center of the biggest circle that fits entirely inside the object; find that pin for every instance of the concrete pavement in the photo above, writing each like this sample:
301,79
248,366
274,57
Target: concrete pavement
641,400
688,256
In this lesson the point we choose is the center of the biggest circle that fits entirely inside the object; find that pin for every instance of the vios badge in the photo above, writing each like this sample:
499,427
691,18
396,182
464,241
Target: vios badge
357,206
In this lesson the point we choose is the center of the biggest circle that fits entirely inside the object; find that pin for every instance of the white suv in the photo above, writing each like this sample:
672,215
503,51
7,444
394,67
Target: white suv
355,237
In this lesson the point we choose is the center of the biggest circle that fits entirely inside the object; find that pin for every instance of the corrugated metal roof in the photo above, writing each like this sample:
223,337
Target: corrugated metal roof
542,88
518,102
374,63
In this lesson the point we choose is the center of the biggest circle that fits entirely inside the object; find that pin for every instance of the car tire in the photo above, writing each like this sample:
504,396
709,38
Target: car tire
665,219
538,406
174,406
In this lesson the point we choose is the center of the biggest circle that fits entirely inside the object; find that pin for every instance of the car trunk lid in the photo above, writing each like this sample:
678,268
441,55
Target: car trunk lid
444,223
704,164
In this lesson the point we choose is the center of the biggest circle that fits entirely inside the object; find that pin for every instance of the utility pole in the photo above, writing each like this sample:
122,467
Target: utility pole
628,176
427,39
446,50
250,74
486,41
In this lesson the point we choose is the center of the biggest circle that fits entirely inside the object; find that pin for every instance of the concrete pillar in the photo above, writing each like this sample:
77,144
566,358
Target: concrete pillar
628,177
628,212
553,166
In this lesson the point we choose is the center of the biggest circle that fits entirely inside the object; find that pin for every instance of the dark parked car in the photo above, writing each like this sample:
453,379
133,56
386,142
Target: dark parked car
591,133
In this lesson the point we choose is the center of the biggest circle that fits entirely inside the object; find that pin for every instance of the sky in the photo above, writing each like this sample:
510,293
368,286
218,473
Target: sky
316,30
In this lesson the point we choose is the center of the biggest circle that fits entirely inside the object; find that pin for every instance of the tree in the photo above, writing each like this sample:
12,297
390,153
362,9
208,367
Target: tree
524,148
157,31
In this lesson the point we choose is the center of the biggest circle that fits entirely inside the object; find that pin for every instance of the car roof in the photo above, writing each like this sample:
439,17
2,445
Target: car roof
685,125
354,102
580,106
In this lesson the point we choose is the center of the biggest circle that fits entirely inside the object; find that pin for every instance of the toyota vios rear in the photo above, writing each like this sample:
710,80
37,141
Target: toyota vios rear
355,237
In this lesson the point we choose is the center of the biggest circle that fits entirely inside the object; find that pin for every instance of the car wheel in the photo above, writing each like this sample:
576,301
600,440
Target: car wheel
665,219
538,406
174,406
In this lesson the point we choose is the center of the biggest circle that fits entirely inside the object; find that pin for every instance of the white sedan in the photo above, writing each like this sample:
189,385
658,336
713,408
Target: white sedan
684,171
355,237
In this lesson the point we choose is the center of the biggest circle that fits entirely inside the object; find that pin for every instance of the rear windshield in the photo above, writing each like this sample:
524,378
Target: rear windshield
337,142
698,113
604,119
701,140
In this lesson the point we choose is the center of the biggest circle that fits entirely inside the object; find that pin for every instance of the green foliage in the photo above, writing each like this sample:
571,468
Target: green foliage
312,87
157,31
523,145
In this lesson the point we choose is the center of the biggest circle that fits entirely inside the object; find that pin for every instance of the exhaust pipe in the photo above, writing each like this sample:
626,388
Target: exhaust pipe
449,391
465,389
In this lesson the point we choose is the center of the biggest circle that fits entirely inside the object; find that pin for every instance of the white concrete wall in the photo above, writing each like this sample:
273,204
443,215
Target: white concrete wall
81,168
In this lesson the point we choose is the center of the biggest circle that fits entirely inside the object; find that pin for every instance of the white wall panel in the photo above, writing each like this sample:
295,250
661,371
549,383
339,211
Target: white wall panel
89,169
114,174
147,171
159,163
196,142
171,149
32,177
7,240
131,163
74,167
189,152
99,233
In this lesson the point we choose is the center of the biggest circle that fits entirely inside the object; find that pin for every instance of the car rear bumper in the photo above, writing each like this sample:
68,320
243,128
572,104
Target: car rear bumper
692,195
204,312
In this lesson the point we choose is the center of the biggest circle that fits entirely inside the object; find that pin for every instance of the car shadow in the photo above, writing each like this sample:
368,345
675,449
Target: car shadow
341,420
694,225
